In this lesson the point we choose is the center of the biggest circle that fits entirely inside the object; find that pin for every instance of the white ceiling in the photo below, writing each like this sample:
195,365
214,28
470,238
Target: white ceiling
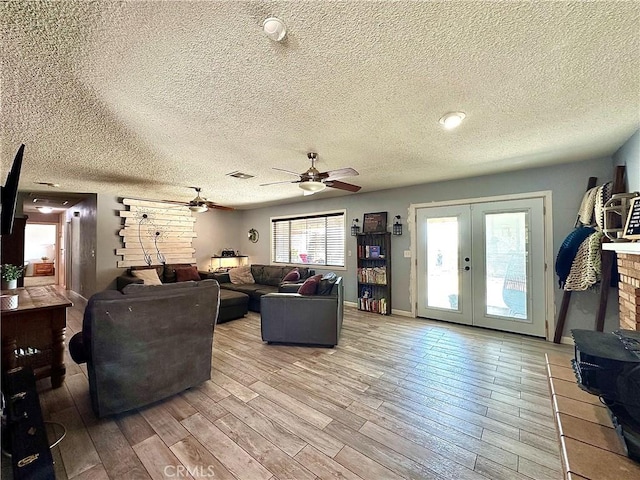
146,99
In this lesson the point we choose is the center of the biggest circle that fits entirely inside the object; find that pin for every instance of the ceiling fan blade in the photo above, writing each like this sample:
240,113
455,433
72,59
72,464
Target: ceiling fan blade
340,173
212,205
276,183
342,185
286,171
173,202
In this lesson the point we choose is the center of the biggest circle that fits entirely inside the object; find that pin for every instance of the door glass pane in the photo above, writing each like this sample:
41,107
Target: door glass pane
443,283
506,264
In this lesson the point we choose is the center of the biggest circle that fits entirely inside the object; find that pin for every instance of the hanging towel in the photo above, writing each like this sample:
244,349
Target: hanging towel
585,214
568,251
586,269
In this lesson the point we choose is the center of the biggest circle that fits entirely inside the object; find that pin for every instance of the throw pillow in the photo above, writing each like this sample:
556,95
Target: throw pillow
187,273
292,276
326,283
310,285
240,275
149,276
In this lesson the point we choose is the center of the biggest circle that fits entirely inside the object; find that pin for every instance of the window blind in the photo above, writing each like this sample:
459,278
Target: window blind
313,239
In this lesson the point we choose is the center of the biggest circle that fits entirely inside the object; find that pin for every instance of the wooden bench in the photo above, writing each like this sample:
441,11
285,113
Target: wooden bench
590,448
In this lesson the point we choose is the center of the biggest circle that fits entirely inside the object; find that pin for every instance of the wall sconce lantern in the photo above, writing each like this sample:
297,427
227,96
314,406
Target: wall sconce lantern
397,226
355,228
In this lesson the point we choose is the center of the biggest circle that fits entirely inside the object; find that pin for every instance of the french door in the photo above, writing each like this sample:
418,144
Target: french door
482,264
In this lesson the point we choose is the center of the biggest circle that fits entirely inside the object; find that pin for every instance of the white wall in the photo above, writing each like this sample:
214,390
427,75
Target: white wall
216,229
629,156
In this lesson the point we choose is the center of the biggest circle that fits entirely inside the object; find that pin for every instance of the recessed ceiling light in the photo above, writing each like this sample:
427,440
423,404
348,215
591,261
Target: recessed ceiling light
274,28
452,120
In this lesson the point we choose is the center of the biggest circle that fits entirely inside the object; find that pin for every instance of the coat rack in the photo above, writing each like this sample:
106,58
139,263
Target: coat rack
608,258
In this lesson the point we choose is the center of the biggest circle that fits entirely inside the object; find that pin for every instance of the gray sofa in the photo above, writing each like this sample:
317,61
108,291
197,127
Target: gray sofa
301,319
268,279
146,343
232,304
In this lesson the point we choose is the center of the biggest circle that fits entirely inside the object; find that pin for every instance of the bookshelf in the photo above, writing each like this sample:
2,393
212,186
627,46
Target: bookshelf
374,272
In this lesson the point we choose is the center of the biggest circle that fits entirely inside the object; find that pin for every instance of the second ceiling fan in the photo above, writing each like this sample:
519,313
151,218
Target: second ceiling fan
313,180
198,204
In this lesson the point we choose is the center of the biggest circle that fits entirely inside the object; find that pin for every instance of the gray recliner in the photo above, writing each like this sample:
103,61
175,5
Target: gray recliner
301,319
146,343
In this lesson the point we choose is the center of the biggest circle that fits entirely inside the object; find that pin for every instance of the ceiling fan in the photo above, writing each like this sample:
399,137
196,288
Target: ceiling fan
313,181
199,204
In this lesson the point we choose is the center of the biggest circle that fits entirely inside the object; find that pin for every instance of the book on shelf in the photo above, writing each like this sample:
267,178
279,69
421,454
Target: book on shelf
377,275
369,251
375,305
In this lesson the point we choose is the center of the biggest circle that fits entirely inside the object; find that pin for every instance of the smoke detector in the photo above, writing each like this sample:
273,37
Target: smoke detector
274,29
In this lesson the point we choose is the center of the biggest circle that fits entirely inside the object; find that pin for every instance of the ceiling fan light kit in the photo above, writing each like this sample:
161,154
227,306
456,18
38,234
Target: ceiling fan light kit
198,208
312,186
274,28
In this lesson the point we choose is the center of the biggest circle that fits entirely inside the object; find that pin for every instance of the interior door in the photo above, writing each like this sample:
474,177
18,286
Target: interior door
482,264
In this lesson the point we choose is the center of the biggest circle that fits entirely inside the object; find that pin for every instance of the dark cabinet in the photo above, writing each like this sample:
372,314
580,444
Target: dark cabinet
374,272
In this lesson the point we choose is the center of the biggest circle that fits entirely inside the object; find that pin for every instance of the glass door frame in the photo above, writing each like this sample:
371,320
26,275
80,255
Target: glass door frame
546,196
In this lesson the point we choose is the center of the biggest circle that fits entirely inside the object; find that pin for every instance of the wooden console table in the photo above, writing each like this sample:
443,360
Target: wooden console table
33,333
589,446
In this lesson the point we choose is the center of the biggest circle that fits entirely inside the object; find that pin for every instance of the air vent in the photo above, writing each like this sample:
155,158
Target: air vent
48,184
243,176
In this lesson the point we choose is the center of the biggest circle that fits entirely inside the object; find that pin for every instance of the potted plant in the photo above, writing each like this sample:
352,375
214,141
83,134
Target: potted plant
10,275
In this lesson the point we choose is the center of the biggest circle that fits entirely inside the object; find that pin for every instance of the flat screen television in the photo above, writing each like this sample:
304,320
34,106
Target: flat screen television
9,194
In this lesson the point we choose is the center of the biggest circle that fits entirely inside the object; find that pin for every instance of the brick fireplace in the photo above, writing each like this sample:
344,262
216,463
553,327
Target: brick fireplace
628,256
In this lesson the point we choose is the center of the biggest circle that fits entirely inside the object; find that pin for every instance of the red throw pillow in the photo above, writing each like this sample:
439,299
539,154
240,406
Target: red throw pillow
310,285
187,273
292,276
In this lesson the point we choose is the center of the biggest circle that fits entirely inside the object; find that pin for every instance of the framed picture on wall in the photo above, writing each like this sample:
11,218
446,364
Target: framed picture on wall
374,222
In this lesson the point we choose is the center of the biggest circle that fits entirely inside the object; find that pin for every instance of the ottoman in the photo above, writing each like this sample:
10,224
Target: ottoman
232,305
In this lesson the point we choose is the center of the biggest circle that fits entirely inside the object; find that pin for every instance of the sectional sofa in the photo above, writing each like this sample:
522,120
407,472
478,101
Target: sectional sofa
267,278
235,299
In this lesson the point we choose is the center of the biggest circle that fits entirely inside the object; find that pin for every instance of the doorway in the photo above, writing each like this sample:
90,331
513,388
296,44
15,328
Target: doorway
483,264
40,254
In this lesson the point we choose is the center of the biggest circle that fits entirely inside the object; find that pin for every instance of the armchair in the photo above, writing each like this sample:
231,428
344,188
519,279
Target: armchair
302,319
146,343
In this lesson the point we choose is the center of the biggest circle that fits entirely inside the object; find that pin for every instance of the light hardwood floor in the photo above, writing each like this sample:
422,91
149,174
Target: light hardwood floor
398,398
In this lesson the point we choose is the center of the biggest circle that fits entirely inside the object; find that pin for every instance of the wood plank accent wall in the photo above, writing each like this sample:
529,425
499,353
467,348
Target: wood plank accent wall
175,224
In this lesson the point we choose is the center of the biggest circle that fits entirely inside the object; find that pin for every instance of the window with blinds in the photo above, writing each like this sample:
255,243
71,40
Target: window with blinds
313,239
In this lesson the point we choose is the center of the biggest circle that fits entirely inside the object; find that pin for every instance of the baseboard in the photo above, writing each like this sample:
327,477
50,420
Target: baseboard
350,304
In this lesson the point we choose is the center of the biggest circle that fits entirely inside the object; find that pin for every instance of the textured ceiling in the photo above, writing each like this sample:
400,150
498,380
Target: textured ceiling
146,99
